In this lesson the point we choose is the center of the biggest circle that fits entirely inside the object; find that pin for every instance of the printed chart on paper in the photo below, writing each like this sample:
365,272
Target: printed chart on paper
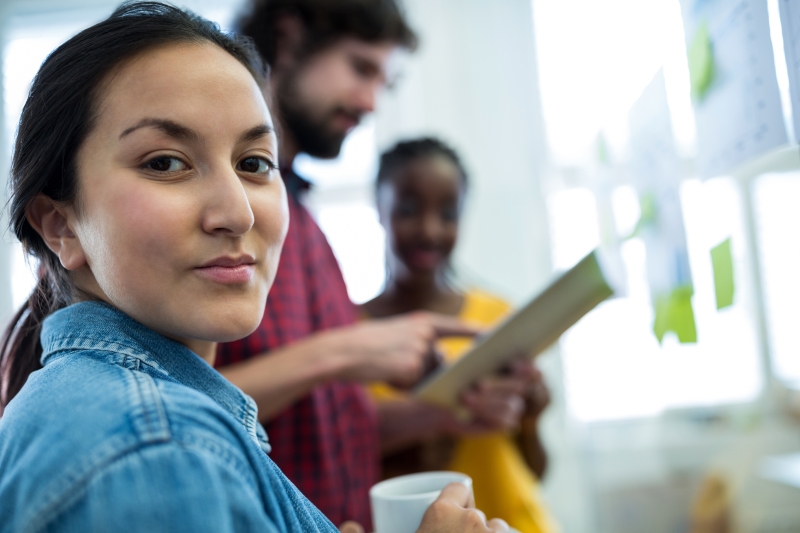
735,90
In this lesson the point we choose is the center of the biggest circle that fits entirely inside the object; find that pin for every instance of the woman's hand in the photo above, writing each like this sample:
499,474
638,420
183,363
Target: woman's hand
454,512
499,403
351,527
538,397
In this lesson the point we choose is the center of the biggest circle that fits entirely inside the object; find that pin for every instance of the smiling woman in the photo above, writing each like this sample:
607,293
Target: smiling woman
144,182
180,167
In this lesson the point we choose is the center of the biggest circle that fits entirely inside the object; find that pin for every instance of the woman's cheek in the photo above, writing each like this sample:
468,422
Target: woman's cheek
156,222
271,213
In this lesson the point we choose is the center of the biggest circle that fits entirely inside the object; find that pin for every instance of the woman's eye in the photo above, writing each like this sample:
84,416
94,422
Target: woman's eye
255,165
407,208
450,214
165,164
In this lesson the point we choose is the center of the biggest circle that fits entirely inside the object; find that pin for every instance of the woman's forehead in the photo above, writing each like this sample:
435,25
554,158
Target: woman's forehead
428,173
197,82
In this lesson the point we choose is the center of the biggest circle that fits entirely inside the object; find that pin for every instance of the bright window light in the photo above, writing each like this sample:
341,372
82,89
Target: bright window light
777,197
573,225
594,60
358,240
343,206
626,208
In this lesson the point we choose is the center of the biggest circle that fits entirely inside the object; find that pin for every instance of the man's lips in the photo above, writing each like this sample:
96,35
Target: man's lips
228,270
346,120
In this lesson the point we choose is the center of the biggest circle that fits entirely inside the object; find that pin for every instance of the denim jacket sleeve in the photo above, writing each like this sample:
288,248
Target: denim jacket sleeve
166,487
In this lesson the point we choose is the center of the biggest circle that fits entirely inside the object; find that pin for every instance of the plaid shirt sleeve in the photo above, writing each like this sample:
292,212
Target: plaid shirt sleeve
326,443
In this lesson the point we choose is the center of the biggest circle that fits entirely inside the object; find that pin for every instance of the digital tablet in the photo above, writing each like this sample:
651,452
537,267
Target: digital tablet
530,330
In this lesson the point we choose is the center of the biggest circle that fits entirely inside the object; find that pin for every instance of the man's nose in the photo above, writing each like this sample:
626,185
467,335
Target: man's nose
367,96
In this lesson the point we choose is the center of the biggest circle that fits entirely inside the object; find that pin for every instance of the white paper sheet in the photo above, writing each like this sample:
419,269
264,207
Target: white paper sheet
790,28
740,117
657,173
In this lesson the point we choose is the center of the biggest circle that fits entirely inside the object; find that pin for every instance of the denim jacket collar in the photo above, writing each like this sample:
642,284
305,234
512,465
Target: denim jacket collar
102,328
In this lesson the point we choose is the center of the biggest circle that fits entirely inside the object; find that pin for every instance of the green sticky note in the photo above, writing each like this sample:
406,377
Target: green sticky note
674,312
648,216
701,62
722,263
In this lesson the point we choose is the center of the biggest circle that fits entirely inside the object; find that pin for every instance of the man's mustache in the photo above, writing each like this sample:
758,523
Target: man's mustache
352,114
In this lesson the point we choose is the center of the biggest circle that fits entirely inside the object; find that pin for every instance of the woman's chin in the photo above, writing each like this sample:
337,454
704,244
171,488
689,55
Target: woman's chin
229,332
223,326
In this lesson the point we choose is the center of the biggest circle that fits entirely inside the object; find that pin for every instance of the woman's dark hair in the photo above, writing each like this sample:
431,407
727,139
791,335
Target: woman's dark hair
405,151
326,21
55,121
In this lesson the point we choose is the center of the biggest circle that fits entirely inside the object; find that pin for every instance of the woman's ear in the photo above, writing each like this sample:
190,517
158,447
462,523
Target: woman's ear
53,223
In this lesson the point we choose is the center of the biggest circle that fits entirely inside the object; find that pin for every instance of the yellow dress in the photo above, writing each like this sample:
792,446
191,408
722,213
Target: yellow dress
503,484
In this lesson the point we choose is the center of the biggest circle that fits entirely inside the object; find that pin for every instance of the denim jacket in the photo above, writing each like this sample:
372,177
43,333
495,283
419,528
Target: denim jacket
125,430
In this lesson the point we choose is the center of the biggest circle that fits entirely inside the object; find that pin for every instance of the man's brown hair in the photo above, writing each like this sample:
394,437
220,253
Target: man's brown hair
326,21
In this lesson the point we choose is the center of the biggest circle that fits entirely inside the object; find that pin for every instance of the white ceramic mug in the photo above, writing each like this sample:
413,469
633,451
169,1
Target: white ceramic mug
399,503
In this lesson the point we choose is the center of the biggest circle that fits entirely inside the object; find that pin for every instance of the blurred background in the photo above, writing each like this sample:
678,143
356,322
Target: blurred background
655,128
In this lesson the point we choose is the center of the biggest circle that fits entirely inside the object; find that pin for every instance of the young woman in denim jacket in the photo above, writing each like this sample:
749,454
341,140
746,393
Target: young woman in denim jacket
144,183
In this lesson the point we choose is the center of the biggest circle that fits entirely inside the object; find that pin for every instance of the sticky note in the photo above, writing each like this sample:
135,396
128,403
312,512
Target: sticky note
674,312
722,264
602,149
648,216
701,62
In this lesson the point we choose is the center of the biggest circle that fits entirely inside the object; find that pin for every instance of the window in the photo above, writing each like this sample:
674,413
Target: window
342,202
777,197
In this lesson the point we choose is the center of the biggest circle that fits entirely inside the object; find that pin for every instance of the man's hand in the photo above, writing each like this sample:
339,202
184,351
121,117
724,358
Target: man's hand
397,350
454,512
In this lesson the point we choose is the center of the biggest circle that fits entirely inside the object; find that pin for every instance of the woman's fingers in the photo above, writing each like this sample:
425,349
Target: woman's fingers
496,407
454,512
459,494
498,525
351,527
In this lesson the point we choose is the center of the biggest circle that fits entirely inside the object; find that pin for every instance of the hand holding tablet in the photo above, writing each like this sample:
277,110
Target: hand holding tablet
530,330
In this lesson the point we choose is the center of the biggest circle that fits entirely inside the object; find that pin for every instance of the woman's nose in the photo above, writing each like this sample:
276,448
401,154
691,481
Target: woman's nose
228,209
430,227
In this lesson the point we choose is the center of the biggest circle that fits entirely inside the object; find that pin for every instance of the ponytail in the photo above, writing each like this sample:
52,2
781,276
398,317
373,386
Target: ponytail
21,348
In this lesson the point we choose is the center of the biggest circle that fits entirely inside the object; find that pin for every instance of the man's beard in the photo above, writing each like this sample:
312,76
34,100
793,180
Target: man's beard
313,135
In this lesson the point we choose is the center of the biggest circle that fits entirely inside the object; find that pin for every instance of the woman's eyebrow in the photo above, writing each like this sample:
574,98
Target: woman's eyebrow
171,128
255,133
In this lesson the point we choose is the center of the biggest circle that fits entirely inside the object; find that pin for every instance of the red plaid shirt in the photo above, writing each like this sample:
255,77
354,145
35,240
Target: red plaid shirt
326,443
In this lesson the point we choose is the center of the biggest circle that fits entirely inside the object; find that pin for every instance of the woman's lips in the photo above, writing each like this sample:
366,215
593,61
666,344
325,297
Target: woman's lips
424,259
227,274
228,270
